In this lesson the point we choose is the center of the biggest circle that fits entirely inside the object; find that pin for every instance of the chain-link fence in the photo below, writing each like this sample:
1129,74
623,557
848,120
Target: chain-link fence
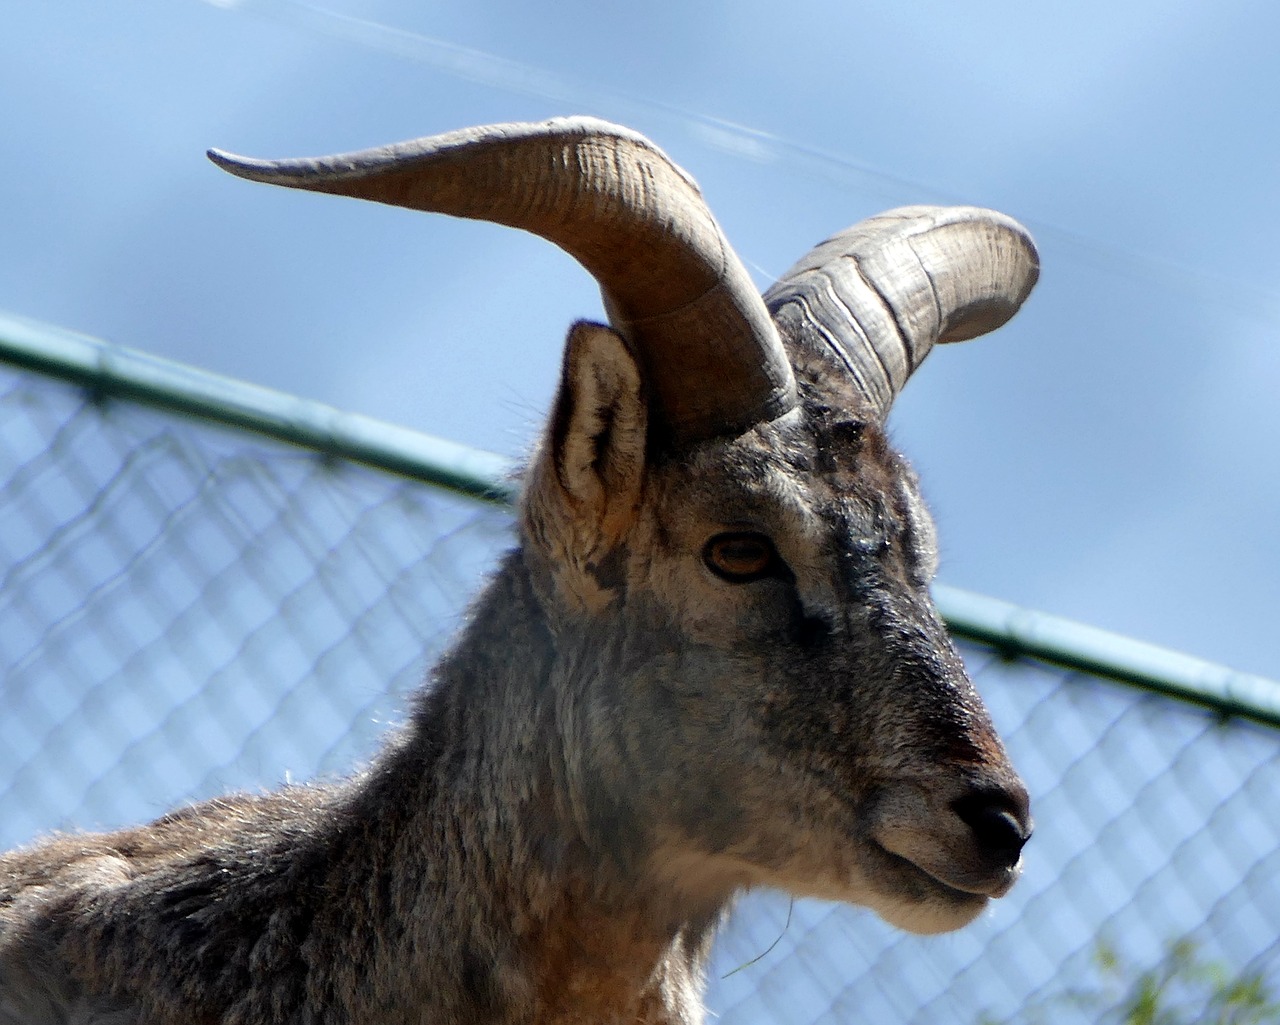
186,609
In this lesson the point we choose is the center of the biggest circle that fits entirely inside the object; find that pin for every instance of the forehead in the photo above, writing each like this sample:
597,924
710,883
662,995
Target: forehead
814,464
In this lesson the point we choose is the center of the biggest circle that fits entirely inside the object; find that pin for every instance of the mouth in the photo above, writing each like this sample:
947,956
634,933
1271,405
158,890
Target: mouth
923,901
912,873
987,884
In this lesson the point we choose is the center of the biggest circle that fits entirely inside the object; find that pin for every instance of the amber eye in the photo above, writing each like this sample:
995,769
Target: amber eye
740,557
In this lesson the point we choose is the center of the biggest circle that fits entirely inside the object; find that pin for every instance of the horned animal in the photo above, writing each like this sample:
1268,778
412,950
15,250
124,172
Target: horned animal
711,663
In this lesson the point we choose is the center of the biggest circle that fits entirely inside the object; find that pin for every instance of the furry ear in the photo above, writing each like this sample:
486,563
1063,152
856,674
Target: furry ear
598,429
586,482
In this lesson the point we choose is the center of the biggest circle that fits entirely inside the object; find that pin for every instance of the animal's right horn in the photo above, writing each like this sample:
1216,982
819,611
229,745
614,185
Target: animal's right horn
610,198
878,296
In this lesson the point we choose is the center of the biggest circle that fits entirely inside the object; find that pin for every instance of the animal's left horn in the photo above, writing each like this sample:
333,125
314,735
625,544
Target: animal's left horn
610,198
878,296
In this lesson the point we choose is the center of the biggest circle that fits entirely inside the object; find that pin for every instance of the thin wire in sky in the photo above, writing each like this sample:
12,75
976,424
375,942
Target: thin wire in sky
742,141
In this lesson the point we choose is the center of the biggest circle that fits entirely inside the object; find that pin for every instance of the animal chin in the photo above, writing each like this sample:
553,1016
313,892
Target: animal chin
917,900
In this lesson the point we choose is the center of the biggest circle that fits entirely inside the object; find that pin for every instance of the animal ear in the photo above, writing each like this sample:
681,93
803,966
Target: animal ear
591,469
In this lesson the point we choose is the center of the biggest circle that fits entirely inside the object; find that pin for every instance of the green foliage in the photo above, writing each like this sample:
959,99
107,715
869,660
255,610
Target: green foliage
1181,989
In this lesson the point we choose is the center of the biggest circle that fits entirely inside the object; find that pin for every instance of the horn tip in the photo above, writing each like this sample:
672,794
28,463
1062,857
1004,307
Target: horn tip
1006,273
241,167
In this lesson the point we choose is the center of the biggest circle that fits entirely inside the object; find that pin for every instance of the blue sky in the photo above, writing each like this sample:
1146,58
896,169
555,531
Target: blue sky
1110,456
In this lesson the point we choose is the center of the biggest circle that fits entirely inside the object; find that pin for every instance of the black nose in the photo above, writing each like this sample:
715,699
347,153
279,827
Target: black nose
1000,820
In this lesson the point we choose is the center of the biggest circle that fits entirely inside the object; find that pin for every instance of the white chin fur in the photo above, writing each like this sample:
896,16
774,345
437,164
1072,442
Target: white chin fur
928,918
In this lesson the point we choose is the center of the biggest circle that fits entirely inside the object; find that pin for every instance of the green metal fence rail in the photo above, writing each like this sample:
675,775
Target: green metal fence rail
116,371
119,372
207,586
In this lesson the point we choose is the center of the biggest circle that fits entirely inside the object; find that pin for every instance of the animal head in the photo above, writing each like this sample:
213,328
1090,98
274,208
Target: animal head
733,560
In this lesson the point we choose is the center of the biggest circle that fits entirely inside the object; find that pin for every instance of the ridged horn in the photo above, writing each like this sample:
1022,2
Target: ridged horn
672,286
880,294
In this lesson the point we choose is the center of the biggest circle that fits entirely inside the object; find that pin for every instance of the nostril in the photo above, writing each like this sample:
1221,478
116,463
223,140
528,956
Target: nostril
999,827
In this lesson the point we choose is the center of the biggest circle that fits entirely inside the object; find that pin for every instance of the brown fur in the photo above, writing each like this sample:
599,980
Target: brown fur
618,742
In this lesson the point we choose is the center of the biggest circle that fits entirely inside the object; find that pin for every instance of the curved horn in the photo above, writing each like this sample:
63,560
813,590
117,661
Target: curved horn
878,295
616,203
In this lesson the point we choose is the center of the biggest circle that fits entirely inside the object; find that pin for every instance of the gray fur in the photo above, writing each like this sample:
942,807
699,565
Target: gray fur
619,741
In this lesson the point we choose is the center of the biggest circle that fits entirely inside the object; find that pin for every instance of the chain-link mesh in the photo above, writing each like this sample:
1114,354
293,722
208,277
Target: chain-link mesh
186,610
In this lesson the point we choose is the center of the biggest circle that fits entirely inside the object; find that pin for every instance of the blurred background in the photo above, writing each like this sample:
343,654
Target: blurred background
185,610
1109,456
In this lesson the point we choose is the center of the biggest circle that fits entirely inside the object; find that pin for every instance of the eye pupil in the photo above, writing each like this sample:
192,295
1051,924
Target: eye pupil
740,557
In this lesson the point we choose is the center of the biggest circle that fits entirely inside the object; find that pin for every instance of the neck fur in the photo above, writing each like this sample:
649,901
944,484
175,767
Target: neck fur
544,898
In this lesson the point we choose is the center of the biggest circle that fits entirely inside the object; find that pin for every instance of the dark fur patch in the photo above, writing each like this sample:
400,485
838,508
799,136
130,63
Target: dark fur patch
479,982
610,571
